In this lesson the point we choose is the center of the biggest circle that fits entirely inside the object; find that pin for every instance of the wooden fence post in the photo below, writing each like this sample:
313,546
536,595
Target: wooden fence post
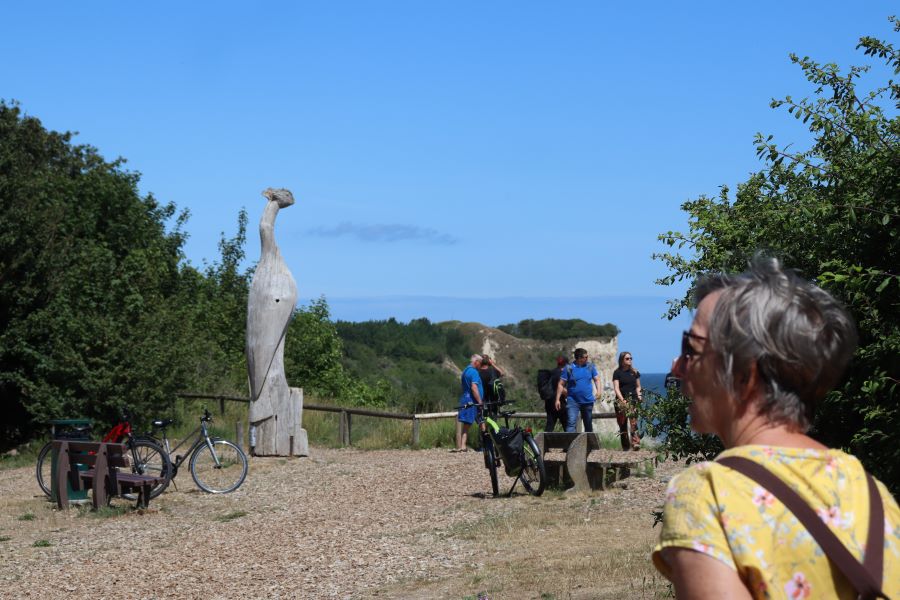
344,428
415,432
221,405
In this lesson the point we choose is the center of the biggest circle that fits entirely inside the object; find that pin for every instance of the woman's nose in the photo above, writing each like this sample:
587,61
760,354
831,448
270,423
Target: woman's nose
678,366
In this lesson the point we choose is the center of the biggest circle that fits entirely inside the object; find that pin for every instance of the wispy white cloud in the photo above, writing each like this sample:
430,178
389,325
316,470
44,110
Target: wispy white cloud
385,233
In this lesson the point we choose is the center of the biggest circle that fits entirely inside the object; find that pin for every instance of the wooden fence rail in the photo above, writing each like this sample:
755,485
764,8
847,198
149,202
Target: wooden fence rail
346,413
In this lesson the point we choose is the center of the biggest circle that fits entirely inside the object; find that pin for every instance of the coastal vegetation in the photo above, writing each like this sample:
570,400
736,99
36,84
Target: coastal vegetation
559,329
831,212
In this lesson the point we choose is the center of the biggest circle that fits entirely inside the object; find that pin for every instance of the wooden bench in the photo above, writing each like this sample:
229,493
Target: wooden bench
103,461
586,475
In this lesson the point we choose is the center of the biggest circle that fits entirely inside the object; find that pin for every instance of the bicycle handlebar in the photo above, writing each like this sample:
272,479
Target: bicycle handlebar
484,404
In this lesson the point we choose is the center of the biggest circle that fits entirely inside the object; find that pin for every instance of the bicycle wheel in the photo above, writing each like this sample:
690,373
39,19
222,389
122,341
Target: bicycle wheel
149,458
43,472
534,474
221,471
490,460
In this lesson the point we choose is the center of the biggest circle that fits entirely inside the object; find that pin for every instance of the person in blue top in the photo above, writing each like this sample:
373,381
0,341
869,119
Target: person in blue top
472,391
580,392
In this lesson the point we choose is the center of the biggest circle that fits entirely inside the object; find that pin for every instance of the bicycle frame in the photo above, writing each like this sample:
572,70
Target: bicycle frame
492,428
122,432
202,437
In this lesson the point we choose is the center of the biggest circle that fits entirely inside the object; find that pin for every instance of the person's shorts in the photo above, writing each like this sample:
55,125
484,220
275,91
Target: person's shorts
467,415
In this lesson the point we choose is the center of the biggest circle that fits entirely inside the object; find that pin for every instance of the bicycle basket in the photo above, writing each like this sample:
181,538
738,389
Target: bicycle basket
512,444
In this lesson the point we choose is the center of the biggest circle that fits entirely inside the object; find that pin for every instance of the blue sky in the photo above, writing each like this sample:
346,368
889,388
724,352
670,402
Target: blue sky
483,161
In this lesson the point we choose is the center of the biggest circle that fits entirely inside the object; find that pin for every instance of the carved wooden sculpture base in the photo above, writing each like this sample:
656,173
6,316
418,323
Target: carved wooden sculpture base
281,434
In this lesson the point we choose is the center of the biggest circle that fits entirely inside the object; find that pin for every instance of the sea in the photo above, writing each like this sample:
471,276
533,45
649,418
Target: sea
654,382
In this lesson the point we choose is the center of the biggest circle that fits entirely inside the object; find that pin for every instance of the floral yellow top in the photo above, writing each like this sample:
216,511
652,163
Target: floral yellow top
719,512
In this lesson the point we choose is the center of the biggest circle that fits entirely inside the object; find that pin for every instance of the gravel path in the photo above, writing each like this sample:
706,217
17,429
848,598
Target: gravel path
341,524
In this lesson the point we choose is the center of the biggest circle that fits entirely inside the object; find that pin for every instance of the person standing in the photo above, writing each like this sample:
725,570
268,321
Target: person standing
578,381
471,391
763,350
489,373
555,413
627,386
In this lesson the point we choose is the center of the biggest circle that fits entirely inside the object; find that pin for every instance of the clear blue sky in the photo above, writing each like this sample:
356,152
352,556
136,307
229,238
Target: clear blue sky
484,161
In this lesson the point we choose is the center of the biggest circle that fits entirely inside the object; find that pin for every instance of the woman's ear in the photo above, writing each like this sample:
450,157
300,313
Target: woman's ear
749,386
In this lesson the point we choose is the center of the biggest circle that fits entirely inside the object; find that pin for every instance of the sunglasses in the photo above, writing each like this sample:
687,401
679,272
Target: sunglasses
687,351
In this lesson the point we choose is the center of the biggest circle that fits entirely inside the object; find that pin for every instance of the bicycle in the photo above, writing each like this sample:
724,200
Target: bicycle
217,465
523,461
147,456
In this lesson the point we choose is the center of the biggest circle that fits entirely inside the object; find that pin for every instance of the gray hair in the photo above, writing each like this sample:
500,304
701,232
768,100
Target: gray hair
474,358
799,337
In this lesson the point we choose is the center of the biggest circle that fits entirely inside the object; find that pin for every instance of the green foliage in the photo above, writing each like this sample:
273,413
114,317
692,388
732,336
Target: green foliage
667,417
216,299
832,213
419,340
558,329
404,362
99,310
312,353
88,281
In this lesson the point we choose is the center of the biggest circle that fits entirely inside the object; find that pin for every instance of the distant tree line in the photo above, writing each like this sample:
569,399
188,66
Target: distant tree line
559,329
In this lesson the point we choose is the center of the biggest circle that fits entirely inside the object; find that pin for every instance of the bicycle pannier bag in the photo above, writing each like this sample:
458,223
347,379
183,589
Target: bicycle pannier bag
511,442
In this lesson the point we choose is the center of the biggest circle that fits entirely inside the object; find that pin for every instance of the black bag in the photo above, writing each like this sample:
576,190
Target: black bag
545,385
511,444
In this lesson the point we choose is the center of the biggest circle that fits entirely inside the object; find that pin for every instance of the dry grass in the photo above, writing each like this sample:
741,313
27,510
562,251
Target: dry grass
559,546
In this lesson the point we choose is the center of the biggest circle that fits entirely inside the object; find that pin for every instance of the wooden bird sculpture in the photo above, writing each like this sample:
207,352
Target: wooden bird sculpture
270,306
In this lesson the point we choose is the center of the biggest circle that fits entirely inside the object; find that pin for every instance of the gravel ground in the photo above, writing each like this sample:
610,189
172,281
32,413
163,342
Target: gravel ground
341,524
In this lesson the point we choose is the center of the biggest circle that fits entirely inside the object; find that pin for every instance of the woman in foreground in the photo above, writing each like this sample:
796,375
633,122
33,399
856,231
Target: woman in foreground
763,349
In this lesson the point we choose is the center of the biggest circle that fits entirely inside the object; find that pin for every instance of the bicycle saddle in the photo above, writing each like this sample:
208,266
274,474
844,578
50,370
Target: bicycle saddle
160,423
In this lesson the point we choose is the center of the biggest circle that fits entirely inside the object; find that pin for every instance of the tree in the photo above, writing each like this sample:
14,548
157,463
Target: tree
558,329
89,283
831,212
312,353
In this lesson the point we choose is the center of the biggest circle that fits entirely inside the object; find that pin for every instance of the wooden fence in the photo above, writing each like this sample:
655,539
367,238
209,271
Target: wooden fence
346,414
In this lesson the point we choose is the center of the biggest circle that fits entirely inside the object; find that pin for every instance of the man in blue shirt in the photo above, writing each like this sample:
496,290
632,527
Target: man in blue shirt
580,391
472,391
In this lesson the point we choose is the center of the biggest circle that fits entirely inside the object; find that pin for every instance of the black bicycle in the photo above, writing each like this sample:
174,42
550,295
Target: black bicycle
513,449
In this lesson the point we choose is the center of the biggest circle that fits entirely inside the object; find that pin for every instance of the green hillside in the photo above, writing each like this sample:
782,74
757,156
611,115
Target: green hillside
418,364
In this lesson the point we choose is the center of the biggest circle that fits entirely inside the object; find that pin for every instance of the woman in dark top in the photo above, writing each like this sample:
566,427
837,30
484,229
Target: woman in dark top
627,385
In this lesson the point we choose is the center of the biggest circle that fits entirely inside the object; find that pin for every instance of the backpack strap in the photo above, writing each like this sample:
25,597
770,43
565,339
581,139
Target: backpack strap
865,577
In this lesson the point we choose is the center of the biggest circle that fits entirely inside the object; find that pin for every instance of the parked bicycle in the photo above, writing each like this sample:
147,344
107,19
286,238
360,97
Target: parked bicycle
147,456
217,465
513,449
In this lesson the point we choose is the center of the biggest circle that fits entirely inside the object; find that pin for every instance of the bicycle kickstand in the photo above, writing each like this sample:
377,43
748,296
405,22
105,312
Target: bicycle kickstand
509,493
